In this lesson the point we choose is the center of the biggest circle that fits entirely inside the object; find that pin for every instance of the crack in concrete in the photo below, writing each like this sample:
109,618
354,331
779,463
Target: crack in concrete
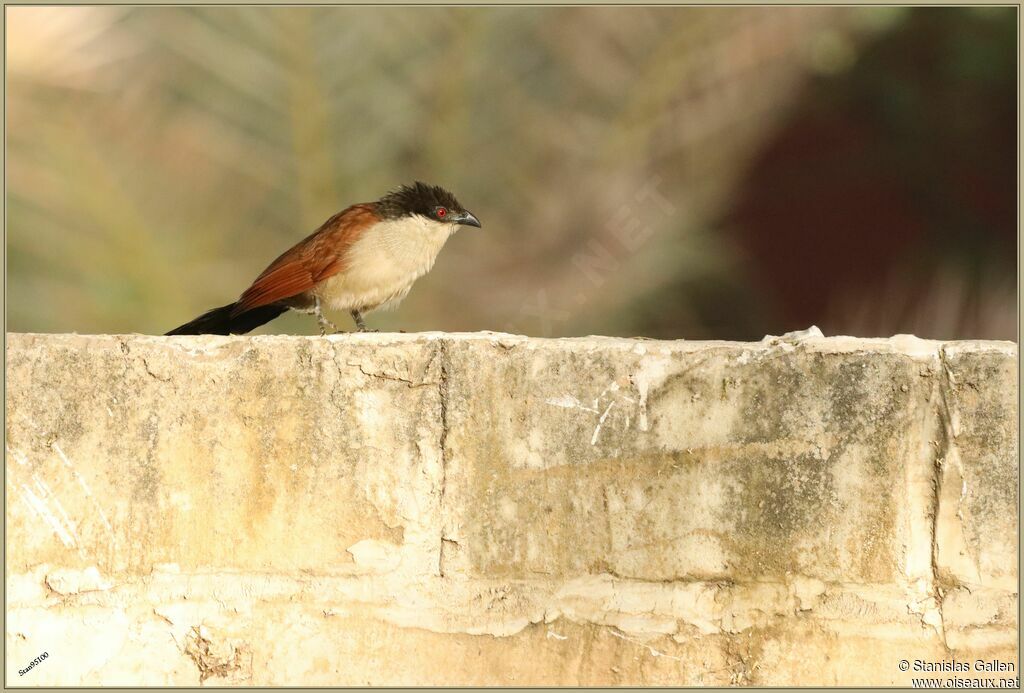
152,374
443,394
688,578
944,379
394,378
921,586
940,425
127,351
935,425
947,452
334,396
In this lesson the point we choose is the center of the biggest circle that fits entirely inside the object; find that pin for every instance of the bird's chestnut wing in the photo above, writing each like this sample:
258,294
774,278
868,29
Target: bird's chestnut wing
313,259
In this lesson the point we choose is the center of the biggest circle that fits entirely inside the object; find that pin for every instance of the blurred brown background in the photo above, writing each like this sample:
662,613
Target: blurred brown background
671,172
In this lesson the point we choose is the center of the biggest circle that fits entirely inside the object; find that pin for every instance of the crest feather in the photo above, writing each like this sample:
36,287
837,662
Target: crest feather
418,198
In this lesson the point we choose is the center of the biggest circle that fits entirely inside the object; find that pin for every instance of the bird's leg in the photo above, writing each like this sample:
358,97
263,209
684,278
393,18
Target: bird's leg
360,323
324,322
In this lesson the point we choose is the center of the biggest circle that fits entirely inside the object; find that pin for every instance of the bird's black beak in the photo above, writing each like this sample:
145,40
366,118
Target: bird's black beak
467,219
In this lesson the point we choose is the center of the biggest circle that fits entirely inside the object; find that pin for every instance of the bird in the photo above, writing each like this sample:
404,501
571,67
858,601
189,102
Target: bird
365,257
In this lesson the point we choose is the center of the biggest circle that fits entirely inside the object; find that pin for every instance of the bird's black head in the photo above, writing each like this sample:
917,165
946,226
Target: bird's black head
430,201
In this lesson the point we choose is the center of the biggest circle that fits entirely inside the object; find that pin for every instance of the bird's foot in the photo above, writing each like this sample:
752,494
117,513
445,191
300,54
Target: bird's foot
357,316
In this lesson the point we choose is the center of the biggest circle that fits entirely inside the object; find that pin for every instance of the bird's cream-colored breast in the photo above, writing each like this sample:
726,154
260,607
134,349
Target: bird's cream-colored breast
383,264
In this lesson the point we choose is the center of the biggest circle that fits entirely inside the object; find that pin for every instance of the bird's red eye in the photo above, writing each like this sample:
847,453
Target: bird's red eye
441,212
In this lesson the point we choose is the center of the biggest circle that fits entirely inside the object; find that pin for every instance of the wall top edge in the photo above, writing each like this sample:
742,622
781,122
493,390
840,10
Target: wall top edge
807,340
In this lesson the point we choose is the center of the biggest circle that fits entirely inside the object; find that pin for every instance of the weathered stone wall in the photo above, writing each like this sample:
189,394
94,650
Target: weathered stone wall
493,509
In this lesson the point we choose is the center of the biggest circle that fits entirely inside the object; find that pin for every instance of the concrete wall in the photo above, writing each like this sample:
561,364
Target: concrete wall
493,509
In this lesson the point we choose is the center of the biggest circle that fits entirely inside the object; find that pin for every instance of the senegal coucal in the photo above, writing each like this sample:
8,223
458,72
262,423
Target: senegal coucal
363,258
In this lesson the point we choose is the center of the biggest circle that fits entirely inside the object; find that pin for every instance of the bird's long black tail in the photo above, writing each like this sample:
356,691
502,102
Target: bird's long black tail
219,320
